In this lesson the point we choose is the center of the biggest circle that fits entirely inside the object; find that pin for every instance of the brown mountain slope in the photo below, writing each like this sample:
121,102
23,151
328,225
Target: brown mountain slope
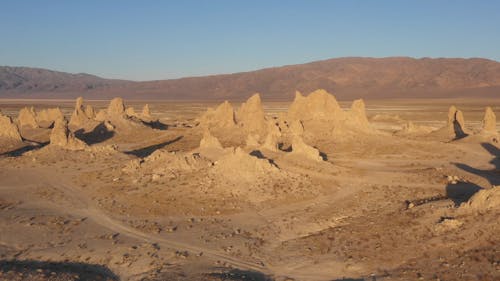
348,78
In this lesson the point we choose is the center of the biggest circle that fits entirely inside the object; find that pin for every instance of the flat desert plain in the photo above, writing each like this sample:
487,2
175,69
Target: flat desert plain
302,190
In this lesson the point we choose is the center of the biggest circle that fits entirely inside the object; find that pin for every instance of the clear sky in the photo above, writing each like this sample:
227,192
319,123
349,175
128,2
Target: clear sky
146,40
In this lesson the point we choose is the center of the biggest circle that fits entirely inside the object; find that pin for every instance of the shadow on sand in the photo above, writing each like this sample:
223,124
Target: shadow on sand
156,125
20,151
86,272
146,151
463,191
237,274
99,134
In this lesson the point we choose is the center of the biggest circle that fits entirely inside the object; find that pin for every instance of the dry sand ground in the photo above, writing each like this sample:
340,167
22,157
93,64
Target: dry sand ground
380,208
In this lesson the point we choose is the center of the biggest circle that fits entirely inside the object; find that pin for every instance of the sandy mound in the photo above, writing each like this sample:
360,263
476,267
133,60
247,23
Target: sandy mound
27,118
251,117
221,117
302,150
484,200
8,129
61,136
163,164
489,122
239,166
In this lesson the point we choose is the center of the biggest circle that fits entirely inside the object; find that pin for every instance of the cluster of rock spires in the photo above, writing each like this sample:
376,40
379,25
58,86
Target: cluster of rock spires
455,127
83,117
317,115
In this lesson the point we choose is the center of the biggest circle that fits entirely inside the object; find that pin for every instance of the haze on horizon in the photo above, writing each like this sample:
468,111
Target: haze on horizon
161,40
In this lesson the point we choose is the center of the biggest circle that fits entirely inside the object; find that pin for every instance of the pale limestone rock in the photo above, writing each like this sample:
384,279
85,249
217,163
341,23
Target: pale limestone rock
8,129
27,118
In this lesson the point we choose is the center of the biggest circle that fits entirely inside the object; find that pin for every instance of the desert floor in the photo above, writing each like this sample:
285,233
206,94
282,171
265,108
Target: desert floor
380,207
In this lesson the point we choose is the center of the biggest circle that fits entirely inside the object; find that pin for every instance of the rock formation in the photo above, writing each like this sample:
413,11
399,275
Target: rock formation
296,128
79,118
409,128
273,136
489,122
146,114
8,129
130,112
484,199
101,115
357,115
301,149
47,117
238,165
251,117
456,123
221,117
318,105
27,118
209,142
116,108
62,137
252,140
89,111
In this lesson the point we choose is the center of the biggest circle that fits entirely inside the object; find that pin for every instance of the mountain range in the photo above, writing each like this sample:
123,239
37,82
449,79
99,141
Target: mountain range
347,78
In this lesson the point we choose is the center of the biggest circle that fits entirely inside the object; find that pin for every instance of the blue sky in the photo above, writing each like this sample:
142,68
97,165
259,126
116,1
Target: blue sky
146,40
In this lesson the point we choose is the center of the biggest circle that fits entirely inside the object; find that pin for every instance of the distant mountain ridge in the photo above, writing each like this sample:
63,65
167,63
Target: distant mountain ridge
347,78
